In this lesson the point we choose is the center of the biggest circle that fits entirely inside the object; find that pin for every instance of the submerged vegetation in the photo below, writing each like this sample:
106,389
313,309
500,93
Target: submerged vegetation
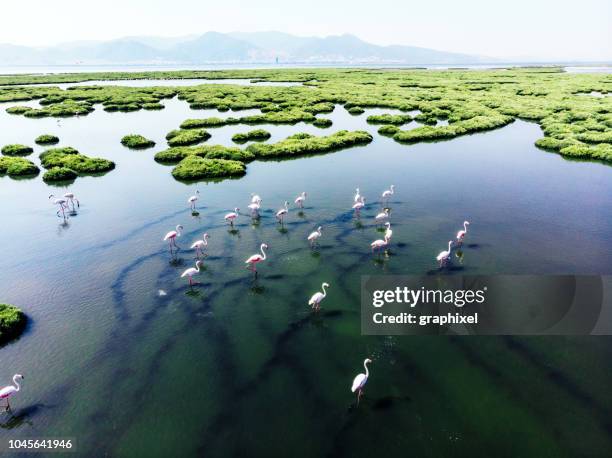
137,141
69,158
469,101
12,322
252,135
17,150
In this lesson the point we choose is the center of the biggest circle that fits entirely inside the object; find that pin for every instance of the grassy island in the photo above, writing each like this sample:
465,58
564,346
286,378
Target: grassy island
177,154
46,139
70,158
184,137
17,150
17,167
197,168
12,323
137,141
252,135
389,119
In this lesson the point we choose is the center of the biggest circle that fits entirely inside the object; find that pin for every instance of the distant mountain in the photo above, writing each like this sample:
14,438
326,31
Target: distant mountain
214,47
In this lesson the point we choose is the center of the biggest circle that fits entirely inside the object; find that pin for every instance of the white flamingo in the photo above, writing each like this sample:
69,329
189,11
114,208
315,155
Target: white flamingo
192,271
378,244
444,255
358,197
62,205
232,216
314,236
257,258
9,390
382,216
255,199
299,200
359,205
69,196
200,245
360,380
255,207
171,236
193,199
388,232
461,234
315,300
282,212
386,195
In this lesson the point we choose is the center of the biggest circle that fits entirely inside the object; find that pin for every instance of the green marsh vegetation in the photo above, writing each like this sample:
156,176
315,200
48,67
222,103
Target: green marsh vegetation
17,167
184,137
17,150
46,139
69,158
252,135
135,141
573,123
176,154
12,322
197,168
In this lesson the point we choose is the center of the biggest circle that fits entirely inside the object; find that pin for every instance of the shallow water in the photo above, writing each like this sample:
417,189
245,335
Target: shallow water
240,366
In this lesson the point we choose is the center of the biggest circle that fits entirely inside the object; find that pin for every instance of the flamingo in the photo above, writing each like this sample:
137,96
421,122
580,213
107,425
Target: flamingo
200,245
444,255
378,244
358,196
253,260
388,193
254,207
299,200
359,205
193,199
315,300
69,196
461,234
10,390
171,236
192,271
232,216
360,380
62,205
388,232
382,216
314,236
255,199
282,212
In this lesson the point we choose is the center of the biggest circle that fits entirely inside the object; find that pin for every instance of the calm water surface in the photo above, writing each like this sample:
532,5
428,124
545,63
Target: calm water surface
240,367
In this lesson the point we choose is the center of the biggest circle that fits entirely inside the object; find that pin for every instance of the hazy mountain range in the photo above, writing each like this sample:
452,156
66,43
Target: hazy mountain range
214,47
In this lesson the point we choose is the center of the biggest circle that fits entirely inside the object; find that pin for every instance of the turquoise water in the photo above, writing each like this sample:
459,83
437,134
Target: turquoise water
123,356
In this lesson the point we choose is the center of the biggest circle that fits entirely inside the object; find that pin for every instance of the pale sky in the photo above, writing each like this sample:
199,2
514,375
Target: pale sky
515,29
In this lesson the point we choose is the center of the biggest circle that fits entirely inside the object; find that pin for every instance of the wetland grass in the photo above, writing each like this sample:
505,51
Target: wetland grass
252,135
46,139
135,141
12,323
17,167
17,150
197,168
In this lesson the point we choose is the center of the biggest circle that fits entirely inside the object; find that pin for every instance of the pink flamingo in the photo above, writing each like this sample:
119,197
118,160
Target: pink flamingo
360,380
255,199
382,216
192,271
388,232
444,255
232,216
314,236
200,245
69,196
8,391
193,199
315,300
254,207
62,205
282,212
358,197
378,244
256,258
171,236
359,205
300,199
386,195
461,234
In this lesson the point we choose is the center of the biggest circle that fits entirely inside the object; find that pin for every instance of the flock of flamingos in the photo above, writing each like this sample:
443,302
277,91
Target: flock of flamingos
69,203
